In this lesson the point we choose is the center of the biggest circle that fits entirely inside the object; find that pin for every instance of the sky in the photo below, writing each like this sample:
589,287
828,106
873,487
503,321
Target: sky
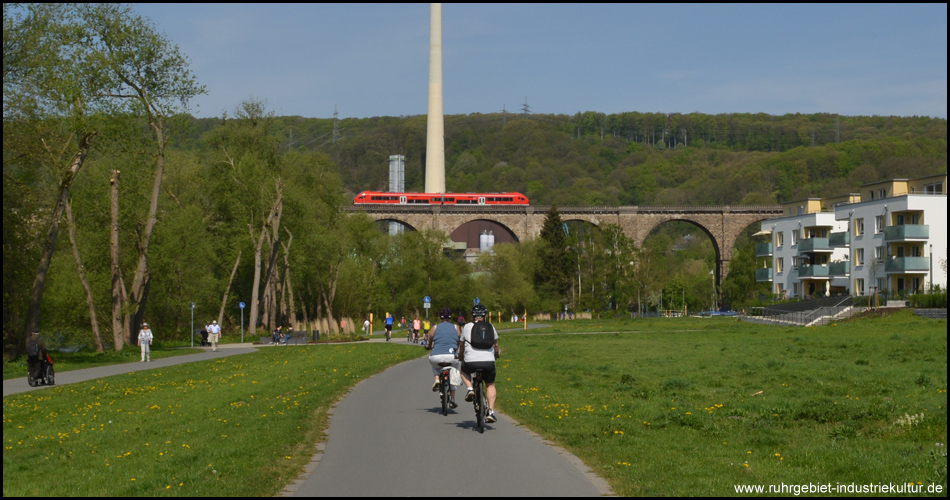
367,60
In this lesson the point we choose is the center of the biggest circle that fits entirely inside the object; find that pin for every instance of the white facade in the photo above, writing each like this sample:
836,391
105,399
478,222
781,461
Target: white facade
898,243
895,240
802,257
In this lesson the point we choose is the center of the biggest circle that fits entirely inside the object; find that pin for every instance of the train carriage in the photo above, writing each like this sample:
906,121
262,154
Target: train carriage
382,198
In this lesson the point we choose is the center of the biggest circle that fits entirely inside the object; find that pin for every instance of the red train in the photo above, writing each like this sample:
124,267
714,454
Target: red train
378,197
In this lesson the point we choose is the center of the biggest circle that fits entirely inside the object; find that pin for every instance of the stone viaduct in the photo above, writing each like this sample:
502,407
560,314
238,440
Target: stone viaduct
722,223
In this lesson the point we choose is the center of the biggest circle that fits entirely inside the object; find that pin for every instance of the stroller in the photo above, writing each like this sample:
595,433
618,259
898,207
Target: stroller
47,375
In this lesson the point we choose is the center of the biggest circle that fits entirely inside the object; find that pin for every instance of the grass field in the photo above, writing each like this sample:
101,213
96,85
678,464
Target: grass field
237,426
683,406
695,406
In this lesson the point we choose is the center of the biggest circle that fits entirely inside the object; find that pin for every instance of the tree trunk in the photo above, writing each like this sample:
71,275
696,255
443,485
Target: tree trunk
255,291
285,285
39,282
94,322
117,331
139,293
224,301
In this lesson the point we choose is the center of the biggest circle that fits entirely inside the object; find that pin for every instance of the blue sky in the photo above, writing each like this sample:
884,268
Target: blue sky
372,60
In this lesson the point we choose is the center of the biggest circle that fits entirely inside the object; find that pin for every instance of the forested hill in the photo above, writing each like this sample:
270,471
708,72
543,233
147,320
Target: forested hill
632,158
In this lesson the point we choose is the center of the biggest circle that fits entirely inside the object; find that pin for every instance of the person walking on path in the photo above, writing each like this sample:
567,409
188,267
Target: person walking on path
366,329
214,331
145,343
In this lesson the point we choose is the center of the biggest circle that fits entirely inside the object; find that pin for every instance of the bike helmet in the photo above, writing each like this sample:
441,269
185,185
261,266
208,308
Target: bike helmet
445,313
479,310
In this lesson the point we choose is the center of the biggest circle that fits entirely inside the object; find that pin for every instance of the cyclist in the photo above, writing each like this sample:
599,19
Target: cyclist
389,326
443,342
416,327
474,358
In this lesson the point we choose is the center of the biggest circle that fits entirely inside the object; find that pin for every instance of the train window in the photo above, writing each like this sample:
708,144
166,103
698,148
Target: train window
449,200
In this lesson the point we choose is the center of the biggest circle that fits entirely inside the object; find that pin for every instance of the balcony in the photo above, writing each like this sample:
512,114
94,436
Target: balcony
813,245
839,240
813,271
763,249
763,274
907,232
839,268
898,265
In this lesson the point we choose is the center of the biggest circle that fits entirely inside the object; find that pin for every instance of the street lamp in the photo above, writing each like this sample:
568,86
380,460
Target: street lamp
192,324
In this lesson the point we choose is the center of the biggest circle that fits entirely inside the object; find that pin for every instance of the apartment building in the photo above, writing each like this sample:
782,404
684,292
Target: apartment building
890,236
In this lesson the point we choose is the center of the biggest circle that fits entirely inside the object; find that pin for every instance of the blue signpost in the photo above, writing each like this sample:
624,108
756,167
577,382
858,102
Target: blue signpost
427,303
241,305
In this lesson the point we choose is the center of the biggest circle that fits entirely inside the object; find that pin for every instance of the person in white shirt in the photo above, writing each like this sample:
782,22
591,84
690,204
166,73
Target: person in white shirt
475,357
145,343
214,332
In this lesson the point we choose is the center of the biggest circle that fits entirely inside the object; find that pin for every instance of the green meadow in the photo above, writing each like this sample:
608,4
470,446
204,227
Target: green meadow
697,406
682,406
241,425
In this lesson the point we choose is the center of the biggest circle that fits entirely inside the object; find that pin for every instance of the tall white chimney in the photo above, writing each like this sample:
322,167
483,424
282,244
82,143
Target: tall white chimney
435,131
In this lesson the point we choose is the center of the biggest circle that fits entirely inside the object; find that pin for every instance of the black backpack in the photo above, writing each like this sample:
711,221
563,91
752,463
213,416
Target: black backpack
483,335
33,349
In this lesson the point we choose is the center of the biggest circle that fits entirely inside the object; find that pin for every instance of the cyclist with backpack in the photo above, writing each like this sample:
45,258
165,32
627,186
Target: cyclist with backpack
35,355
478,349
443,341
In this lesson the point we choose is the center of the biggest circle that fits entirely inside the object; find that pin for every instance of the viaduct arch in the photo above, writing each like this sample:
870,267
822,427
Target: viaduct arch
722,223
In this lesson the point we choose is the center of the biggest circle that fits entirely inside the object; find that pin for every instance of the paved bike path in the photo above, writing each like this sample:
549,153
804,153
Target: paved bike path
388,437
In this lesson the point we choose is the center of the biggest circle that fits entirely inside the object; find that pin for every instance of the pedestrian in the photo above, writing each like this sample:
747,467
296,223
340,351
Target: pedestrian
214,331
366,326
204,335
145,343
277,335
416,326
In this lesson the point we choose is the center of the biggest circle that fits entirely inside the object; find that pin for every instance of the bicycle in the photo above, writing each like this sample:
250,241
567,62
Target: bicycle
47,374
445,386
410,335
481,400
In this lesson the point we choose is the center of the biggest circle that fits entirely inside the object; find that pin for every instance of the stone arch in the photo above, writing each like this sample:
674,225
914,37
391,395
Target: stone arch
469,231
402,220
451,224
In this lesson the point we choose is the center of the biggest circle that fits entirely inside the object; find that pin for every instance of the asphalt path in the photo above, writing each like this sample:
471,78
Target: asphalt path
388,437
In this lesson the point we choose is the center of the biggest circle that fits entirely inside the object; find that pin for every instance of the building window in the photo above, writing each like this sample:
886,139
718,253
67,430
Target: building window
779,239
934,188
880,284
859,286
879,254
882,193
795,288
795,237
858,227
779,264
859,256
879,224
915,282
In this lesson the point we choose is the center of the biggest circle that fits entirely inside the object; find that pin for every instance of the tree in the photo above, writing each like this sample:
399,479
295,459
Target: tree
553,276
69,65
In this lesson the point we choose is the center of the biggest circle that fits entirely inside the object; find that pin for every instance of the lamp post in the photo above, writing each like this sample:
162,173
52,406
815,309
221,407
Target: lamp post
192,324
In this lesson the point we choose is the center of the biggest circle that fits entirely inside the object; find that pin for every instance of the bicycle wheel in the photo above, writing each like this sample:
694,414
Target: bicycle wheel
484,406
444,388
50,375
480,405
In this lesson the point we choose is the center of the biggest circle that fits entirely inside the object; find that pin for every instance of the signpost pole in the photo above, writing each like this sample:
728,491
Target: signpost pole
192,324
241,305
